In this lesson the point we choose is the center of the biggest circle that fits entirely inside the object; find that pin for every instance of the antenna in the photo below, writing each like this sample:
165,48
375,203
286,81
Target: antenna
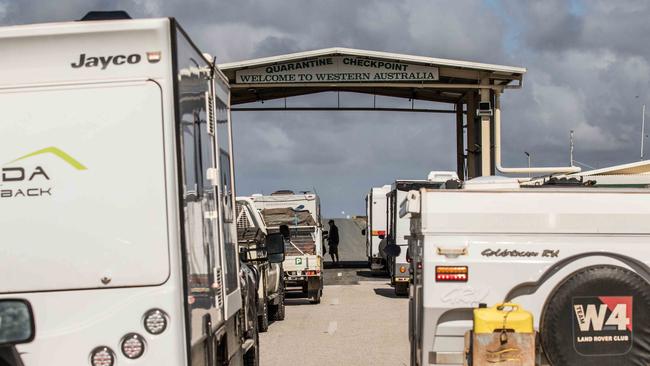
571,148
642,129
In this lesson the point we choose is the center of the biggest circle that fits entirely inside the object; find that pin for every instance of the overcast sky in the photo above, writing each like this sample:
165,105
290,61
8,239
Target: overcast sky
588,70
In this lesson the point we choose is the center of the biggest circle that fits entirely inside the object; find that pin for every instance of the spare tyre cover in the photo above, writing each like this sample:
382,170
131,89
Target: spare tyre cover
598,316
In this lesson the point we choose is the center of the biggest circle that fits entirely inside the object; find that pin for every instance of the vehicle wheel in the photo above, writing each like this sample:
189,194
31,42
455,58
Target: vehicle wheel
252,357
402,289
263,318
315,299
598,316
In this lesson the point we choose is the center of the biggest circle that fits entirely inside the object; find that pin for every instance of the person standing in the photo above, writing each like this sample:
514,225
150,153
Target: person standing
333,240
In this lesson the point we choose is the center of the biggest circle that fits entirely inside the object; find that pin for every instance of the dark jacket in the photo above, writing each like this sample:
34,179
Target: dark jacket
333,236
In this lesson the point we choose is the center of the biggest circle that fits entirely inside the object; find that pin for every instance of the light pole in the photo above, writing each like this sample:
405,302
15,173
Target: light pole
642,129
528,155
571,147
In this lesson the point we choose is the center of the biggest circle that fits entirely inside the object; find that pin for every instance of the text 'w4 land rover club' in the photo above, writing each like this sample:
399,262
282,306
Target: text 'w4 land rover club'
116,195
574,254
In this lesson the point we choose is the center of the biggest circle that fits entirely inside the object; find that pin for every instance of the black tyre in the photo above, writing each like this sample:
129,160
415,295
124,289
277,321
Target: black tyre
315,290
252,356
401,288
263,317
598,316
315,298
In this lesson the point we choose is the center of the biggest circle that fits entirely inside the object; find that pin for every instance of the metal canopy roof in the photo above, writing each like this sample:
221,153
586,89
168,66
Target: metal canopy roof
639,167
372,72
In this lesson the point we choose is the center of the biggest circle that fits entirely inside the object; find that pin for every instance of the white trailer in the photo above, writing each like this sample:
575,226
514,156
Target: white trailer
303,264
577,258
116,195
252,235
376,204
398,230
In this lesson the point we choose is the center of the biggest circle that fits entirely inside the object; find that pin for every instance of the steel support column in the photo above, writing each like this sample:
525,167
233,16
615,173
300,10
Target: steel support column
486,143
460,141
473,149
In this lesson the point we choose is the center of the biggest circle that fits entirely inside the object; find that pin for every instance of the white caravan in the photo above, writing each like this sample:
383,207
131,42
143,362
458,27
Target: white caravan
576,257
376,228
398,260
116,197
303,264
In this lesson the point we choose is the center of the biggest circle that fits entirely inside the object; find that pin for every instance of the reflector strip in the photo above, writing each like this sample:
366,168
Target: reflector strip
452,274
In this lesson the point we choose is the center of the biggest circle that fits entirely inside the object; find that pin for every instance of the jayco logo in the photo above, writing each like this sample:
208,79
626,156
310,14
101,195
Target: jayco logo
105,61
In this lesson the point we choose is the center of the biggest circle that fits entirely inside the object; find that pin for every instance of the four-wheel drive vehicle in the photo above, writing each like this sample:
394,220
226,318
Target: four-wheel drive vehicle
273,249
303,264
394,250
576,257
252,236
116,195
375,232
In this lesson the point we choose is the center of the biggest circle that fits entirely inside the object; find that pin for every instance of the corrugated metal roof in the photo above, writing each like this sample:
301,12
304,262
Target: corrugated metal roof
639,167
424,60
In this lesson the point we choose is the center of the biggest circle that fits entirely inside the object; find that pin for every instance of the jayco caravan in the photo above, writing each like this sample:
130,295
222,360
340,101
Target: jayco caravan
117,199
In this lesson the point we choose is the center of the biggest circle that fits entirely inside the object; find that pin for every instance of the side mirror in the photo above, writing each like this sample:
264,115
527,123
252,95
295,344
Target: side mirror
243,254
16,322
284,230
275,247
392,250
363,232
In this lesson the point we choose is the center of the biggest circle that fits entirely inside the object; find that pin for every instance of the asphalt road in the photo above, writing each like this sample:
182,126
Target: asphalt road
358,322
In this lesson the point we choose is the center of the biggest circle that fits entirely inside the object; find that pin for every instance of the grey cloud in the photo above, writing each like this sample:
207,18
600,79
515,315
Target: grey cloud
276,45
586,59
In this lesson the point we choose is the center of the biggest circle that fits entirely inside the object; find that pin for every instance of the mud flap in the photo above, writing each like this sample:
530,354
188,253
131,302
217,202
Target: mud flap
314,289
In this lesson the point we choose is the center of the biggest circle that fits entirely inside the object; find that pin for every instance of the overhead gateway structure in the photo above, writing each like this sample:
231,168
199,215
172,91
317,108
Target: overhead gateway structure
472,88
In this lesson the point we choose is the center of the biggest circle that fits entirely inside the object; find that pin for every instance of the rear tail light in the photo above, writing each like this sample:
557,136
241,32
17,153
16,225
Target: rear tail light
102,356
378,232
155,321
419,265
402,269
133,345
312,273
452,274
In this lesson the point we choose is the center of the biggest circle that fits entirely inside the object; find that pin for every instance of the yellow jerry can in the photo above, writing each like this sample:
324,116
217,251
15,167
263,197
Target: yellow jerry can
507,315
503,334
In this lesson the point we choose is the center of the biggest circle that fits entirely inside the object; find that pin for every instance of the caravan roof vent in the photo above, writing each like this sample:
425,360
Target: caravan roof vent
106,15
282,192
441,176
492,182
